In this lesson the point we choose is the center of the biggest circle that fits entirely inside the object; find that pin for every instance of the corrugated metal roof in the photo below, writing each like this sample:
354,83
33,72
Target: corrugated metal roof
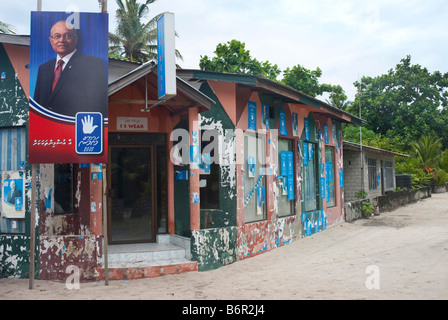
357,147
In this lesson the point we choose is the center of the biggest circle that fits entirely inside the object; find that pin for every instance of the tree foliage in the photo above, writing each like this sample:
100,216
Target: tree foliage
408,101
233,57
304,80
134,39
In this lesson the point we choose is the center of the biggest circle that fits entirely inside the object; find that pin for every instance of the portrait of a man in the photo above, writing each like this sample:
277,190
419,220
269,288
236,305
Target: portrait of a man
72,81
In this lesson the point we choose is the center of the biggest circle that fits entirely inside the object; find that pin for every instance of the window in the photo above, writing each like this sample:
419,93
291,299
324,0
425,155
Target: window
309,175
254,177
371,164
285,179
329,176
389,174
63,188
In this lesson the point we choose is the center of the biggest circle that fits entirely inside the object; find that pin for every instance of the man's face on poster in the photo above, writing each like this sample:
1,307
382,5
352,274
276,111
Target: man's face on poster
63,40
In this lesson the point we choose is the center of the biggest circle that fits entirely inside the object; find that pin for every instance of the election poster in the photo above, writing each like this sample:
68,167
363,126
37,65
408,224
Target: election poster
13,206
68,87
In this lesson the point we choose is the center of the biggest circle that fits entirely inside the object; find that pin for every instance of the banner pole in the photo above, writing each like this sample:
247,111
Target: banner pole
105,227
32,225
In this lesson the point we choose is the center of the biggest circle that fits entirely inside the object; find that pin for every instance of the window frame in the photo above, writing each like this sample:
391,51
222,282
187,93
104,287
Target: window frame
249,194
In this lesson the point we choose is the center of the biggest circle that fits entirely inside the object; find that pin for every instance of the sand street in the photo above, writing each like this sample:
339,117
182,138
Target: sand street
397,255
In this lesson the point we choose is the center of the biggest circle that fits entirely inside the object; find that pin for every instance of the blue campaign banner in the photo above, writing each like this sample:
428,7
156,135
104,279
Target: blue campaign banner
305,153
341,178
252,116
327,139
89,132
282,116
290,172
290,163
307,128
324,219
322,188
329,171
295,124
283,164
265,116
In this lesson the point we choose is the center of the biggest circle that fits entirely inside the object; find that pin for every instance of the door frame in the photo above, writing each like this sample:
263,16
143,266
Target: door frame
153,192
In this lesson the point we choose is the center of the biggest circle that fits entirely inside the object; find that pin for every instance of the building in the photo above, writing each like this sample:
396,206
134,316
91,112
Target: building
233,166
368,169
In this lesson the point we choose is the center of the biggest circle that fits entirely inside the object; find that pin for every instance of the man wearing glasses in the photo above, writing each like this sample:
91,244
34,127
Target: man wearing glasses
72,82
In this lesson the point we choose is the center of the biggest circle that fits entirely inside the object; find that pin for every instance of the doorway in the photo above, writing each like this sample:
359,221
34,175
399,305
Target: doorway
133,200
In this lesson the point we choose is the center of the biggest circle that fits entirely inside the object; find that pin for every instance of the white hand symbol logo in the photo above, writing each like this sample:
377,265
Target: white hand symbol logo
87,125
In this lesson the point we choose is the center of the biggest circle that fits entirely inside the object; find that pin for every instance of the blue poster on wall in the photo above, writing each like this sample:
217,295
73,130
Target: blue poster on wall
283,164
305,153
324,219
282,120
295,124
252,116
265,116
307,128
290,172
322,188
329,171
327,139
341,178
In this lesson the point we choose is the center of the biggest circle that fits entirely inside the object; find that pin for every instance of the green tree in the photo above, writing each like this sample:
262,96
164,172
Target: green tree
233,57
338,98
304,80
408,102
134,39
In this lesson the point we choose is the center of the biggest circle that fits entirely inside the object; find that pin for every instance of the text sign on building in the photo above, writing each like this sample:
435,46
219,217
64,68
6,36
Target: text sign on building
166,56
132,124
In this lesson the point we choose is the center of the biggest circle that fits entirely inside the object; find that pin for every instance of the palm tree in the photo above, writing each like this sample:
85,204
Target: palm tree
6,28
135,40
428,150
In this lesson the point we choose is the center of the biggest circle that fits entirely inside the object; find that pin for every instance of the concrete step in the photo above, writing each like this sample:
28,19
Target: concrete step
170,255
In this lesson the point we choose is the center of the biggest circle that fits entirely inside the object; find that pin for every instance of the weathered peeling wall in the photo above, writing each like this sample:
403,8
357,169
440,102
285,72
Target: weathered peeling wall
59,252
262,236
70,239
14,261
213,248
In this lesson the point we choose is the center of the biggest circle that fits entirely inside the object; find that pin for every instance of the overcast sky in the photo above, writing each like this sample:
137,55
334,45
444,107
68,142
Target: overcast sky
347,39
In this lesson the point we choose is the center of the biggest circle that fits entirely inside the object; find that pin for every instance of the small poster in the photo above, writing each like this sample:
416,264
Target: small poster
341,178
307,128
295,124
252,116
251,166
195,156
265,116
283,130
305,153
204,167
182,175
13,206
195,197
261,199
322,188
327,139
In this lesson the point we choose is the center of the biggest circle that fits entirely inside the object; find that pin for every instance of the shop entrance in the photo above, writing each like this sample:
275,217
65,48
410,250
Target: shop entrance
137,182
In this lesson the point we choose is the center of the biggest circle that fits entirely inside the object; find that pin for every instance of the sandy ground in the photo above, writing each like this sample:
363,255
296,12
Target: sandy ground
408,249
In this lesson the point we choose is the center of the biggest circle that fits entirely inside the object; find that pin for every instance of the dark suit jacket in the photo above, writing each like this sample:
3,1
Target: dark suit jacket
11,197
82,86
